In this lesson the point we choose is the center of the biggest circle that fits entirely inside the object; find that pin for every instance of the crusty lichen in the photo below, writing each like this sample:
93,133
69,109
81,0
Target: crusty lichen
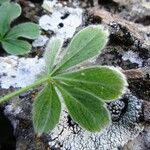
63,21
19,72
71,137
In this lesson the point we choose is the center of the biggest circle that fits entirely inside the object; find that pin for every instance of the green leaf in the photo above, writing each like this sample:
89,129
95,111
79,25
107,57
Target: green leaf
105,82
8,12
2,1
52,51
85,109
16,47
46,110
27,30
86,44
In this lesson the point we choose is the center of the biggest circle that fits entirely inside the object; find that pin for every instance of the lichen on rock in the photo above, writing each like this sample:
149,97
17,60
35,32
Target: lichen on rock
19,72
63,21
120,132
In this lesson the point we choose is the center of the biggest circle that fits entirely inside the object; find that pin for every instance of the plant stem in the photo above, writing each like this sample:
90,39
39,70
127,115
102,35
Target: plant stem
17,92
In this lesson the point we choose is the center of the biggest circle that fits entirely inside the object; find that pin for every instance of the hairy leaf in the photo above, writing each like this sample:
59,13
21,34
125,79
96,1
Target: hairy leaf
8,12
105,82
52,51
85,109
46,110
16,47
86,44
27,30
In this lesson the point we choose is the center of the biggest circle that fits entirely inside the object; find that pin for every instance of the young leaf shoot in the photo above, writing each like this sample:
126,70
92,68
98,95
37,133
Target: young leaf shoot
9,36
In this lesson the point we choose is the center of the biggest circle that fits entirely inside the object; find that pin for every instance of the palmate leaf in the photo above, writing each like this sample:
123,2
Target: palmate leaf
16,47
84,91
8,12
85,109
105,82
86,44
27,30
51,53
46,110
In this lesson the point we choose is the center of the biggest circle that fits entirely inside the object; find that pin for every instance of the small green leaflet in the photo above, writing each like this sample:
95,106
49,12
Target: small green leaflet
86,44
51,53
27,30
85,109
105,82
8,12
16,47
46,110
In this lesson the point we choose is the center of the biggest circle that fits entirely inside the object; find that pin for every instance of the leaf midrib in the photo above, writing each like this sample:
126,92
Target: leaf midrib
41,108
79,101
9,41
84,81
61,65
15,34
49,112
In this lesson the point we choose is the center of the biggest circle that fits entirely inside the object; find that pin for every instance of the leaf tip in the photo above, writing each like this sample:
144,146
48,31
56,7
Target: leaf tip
102,29
123,79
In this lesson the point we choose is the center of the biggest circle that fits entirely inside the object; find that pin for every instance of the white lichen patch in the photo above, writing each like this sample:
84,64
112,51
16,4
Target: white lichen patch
49,5
146,3
19,72
63,21
12,109
40,41
55,134
132,57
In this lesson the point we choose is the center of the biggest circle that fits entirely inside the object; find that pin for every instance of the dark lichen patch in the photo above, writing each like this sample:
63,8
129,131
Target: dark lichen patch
36,1
60,25
73,126
120,35
65,15
116,109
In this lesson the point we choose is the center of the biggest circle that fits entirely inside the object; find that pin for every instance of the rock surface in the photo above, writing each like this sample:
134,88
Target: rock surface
128,48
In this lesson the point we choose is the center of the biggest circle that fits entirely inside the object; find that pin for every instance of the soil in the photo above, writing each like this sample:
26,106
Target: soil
128,48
